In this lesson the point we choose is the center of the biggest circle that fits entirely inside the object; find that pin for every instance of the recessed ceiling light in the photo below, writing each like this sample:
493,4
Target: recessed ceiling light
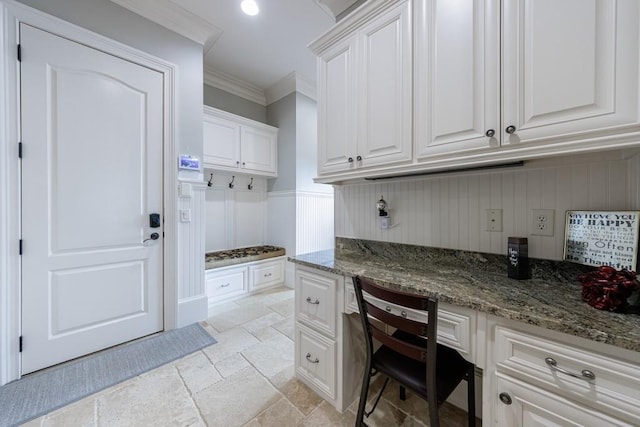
250,7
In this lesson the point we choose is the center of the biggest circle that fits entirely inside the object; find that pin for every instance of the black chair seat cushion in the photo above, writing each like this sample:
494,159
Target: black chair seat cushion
450,367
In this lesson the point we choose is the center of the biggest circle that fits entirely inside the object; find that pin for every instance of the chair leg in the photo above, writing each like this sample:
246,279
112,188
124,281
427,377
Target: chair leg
471,395
403,393
363,398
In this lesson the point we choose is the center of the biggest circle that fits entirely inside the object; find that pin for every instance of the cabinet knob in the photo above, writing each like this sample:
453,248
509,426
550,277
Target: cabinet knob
510,129
505,398
243,163
238,162
490,133
359,158
350,159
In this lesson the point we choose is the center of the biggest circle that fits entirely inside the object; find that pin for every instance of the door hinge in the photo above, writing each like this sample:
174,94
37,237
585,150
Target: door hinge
19,53
20,247
20,344
19,150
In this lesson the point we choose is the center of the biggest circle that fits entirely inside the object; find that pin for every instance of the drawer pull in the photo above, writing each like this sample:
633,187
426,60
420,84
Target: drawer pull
225,285
312,302
584,375
312,361
267,275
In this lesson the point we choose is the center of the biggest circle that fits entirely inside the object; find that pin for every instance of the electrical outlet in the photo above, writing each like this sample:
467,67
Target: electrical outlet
542,222
494,219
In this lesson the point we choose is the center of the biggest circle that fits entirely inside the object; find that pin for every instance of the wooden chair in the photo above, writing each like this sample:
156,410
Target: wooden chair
410,355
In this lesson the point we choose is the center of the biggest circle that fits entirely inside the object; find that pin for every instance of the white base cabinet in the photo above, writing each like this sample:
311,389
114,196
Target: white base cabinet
236,281
540,377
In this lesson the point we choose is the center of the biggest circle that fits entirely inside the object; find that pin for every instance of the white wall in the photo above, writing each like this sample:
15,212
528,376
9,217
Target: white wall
448,210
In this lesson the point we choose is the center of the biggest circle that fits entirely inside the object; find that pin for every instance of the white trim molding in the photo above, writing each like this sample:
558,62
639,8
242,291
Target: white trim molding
234,86
176,18
292,82
12,14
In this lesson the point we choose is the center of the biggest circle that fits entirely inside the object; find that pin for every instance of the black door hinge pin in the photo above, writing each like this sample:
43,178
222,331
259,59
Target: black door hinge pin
20,247
19,53
19,150
20,343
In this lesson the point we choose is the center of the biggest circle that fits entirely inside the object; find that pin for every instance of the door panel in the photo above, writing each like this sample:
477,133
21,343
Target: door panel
570,68
92,127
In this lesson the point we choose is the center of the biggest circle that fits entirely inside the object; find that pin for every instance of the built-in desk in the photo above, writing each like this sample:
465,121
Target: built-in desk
515,327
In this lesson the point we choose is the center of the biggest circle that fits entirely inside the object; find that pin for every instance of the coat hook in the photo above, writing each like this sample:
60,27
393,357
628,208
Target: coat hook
210,183
232,179
250,186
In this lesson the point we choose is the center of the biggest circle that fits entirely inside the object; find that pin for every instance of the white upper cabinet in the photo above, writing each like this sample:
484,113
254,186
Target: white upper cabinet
364,89
494,82
237,144
570,69
457,76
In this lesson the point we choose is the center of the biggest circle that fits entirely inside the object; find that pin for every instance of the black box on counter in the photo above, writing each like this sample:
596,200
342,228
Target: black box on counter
518,258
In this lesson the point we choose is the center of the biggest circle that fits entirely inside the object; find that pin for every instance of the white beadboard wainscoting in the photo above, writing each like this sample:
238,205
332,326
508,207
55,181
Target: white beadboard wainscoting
235,217
301,222
192,301
449,210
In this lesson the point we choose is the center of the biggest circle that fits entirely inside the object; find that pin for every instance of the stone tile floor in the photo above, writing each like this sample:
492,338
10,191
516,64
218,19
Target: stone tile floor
246,379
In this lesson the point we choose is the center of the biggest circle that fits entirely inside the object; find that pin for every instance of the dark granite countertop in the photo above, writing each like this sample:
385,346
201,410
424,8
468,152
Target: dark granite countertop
551,299
240,255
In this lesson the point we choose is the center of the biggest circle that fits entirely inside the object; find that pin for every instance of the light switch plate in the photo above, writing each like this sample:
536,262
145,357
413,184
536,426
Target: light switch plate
494,219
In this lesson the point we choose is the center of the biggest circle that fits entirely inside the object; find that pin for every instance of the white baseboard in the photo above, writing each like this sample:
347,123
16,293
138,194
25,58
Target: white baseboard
192,310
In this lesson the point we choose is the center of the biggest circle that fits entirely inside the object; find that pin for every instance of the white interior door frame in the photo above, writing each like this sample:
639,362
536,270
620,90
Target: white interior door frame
11,14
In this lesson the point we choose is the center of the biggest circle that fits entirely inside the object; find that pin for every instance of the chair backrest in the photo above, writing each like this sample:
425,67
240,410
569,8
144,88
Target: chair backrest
420,333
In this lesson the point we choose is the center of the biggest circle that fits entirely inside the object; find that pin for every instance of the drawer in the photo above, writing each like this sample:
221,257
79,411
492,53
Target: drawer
220,285
455,324
316,300
613,388
266,274
316,360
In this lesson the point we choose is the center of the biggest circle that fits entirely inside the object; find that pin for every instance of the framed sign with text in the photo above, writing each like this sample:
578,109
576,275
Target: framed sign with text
602,238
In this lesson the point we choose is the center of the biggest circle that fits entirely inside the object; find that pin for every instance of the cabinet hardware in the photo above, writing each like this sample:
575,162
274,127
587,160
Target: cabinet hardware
584,375
490,133
505,398
510,129
350,159
312,361
243,163
312,302
267,275
359,158
233,178
225,285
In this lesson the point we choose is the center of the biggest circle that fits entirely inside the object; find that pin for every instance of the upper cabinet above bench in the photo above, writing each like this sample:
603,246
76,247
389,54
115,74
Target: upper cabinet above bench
237,144
491,82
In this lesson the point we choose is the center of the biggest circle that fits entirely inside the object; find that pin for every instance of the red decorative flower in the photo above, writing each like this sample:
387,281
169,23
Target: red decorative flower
607,288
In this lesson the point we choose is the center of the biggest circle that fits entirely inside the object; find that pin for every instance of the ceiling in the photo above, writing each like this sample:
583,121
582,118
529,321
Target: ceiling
249,55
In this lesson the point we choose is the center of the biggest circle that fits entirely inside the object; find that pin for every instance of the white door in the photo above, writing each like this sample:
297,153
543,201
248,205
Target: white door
92,129
384,109
457,77
570,68
258,149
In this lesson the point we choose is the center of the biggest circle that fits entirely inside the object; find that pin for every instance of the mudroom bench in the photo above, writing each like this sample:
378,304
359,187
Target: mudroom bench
235,273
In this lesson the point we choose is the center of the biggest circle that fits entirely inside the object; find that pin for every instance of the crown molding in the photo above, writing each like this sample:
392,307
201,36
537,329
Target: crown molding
174,17
292,82
234,86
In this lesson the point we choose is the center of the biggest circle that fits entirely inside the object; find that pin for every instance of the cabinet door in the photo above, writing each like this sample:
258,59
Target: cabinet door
384,72
221,142
336,103
258,150
528,406
457,76
570,68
